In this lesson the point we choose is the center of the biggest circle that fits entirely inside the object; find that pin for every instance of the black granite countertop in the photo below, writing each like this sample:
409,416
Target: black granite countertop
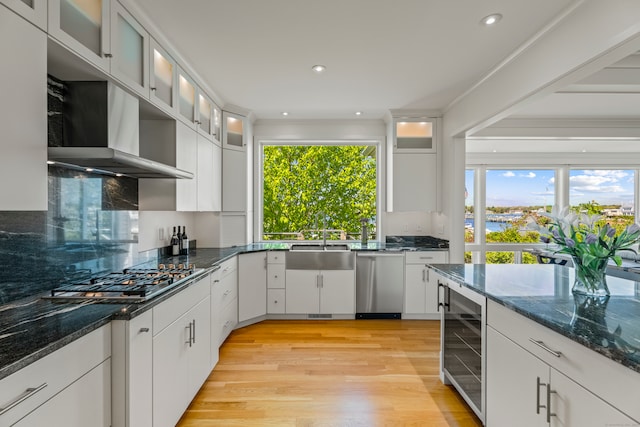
543,294
33,327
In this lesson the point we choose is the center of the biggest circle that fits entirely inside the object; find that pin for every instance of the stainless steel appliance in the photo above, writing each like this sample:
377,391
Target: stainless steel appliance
130,285
463,345
379,285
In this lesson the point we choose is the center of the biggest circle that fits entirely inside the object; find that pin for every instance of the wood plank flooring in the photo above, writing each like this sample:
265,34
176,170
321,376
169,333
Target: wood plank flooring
337,373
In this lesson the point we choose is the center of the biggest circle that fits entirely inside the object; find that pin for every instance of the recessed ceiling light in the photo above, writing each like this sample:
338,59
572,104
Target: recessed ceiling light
118,174
284,113
358,113
51,162
318,68
89,169
492,19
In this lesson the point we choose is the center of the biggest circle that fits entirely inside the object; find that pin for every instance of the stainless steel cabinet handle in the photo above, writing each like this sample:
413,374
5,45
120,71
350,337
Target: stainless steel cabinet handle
428,274
153,89
538,385
321,280
440,285
543,346
24,396
424,275
190,334
144,330
194,331
549,413
317,281
107,55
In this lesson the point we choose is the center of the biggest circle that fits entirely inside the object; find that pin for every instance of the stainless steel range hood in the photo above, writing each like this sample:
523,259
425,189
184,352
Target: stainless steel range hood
101,132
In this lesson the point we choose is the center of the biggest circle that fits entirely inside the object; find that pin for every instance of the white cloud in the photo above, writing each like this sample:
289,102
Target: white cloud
529,175
508,174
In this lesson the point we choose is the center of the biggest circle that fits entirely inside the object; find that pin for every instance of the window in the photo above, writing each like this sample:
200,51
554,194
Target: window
309,189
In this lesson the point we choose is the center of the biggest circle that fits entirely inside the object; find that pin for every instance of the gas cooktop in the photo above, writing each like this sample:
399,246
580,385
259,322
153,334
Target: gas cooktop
130,285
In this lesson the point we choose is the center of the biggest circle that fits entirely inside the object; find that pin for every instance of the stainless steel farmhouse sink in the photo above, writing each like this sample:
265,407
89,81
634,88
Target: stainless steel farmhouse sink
319,247
320,259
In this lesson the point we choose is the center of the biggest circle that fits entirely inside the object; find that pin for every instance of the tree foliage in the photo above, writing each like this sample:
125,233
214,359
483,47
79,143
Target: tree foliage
303,183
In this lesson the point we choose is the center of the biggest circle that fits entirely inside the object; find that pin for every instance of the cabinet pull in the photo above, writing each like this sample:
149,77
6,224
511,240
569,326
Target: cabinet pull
21,398
440,285
194,331
321,280
107,55
317,280
424,275
543,346
144,330
190,332
226,292
153,89
549,413
538,385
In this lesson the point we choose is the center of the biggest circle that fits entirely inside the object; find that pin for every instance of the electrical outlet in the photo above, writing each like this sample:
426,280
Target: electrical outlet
441,229
405,228
418,227
160,233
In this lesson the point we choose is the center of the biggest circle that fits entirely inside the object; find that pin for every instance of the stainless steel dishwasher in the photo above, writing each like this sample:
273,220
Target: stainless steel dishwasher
379,285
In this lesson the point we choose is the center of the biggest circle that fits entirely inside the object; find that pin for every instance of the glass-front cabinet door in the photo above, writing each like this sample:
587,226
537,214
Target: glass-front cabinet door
233,131
130,50
186,97
205,115
217,122
83,26
34,11
414,135
162,77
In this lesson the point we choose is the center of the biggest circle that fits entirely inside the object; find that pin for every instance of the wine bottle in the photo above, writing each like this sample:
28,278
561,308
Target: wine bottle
175,244
185,241
179,241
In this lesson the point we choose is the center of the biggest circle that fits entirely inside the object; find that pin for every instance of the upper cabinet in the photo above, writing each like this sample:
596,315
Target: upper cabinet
233,131
23,115
163,78
129,50
208,117
414,135
186,97
83,26
34,11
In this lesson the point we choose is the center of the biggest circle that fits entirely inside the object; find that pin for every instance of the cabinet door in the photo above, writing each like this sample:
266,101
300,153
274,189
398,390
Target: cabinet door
204,116
431,291
86,402
200,349
573,405
415,289
140,370
414,182
186,98
252,285
187,159
234,180
83,26
302,292
512,387
163,78
34,11
337,292
205,181
23,114
129,50
233,137
216,167
275,276
171,373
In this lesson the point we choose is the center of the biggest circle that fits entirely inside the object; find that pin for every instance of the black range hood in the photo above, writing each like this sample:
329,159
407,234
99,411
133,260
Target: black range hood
100,131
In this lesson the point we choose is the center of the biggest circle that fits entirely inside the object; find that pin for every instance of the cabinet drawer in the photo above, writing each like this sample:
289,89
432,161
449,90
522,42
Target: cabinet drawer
170,310
275,301
229,266
225,292
276,257
612,382
228,320
41,380
275,276
427,257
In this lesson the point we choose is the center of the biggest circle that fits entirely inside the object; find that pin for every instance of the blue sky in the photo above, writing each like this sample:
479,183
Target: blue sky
516,187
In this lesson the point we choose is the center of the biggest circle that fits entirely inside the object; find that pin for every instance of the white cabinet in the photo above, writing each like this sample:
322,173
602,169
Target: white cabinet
209,176
163,78
234,180
538,377
186,98
252,285
225,300
208,117
23,114
414,182
53,390
325,291
186,159
86,402
276,282
35,11
415,135
181,351
129,50
421,284
83,27
132,378
233,131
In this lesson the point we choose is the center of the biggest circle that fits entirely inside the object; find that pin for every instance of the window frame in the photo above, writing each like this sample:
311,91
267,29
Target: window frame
259,174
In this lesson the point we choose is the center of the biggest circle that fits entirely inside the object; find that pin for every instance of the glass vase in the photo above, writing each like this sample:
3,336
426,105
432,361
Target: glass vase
590,279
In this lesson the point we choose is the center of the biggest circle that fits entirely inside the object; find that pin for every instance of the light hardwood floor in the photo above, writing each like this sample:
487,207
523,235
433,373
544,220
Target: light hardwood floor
333,373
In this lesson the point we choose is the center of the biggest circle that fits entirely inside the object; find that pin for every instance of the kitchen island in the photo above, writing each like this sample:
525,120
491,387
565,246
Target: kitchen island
552,354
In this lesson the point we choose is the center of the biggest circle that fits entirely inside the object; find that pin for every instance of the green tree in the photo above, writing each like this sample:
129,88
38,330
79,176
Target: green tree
303,182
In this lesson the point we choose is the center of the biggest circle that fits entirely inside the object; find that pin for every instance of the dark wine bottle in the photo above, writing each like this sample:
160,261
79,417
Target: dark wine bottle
174,243
185,241
179,241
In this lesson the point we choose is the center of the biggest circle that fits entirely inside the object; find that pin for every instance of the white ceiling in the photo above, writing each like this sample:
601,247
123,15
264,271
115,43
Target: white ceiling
380,55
